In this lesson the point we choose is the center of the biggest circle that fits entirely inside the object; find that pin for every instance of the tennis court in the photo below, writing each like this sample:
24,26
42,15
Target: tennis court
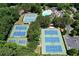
30,17
21,27
19,41
19,31
19,34
53,49
52,42
12,40
50,32
52,39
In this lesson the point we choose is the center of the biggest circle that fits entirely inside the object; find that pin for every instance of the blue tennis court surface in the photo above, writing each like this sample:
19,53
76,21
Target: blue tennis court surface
30,17
50,32
12,41
53,49
21,34
22,41
52,39
19,31
21,28
52,42
19,41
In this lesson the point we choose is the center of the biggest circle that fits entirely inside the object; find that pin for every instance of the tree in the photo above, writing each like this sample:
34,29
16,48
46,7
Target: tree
3,5
75,23
63,6
36,8
76,5
51,4
30,7
4,51
25,6
34,31
11,4
44,21
78,53
8,16
11,45
32,45
12,49
25,52
76,16
72,52
62,21
2,42
73,32
7,49
57,21
67,20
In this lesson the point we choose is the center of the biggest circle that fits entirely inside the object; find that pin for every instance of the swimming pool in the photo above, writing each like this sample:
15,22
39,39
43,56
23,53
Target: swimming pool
46,13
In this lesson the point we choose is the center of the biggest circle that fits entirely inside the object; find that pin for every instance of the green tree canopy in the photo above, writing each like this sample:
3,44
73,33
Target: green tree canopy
73,32
12,49
67,20
72,52
57,21
8,16
25,6
51,4
75,25
76,5
3,5
62,21
63,6
34,31
44,21
36,8
76,15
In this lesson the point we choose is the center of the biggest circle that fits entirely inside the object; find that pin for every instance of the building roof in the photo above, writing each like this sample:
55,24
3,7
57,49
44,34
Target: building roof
71,42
